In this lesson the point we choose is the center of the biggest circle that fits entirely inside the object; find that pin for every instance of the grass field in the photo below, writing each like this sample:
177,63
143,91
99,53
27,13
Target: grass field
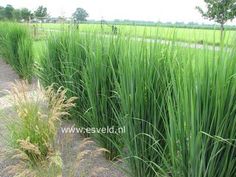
208,36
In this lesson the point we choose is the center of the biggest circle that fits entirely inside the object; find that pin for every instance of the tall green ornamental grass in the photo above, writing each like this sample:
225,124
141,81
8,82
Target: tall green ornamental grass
142,88
202,125
99,78
16,48
83,66
62,63
177,104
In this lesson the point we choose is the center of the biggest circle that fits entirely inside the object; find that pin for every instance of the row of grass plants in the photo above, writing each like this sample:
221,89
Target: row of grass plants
177,104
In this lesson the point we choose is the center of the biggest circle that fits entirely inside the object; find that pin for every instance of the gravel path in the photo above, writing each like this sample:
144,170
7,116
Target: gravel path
7,76
81,157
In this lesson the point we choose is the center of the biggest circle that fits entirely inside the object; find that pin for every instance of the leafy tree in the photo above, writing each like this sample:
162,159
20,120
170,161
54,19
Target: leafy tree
80,15
16,14
9,12
2,13
25,14
220,11
41,12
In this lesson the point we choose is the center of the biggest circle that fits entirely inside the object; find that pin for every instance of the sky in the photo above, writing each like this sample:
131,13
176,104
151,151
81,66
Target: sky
147,10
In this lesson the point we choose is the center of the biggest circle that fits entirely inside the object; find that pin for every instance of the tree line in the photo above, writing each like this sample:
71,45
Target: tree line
11,14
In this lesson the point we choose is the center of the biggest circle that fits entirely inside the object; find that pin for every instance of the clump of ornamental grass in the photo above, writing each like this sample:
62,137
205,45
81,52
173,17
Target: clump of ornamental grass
142,84
26,62
62,63
38,115
85,68
16,48
100,84
201,110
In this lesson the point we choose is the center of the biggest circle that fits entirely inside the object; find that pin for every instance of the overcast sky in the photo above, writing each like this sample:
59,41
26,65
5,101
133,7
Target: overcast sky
148,10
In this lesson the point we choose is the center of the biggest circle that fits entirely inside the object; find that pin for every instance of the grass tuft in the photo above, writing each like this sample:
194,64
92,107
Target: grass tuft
33,132
16,48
